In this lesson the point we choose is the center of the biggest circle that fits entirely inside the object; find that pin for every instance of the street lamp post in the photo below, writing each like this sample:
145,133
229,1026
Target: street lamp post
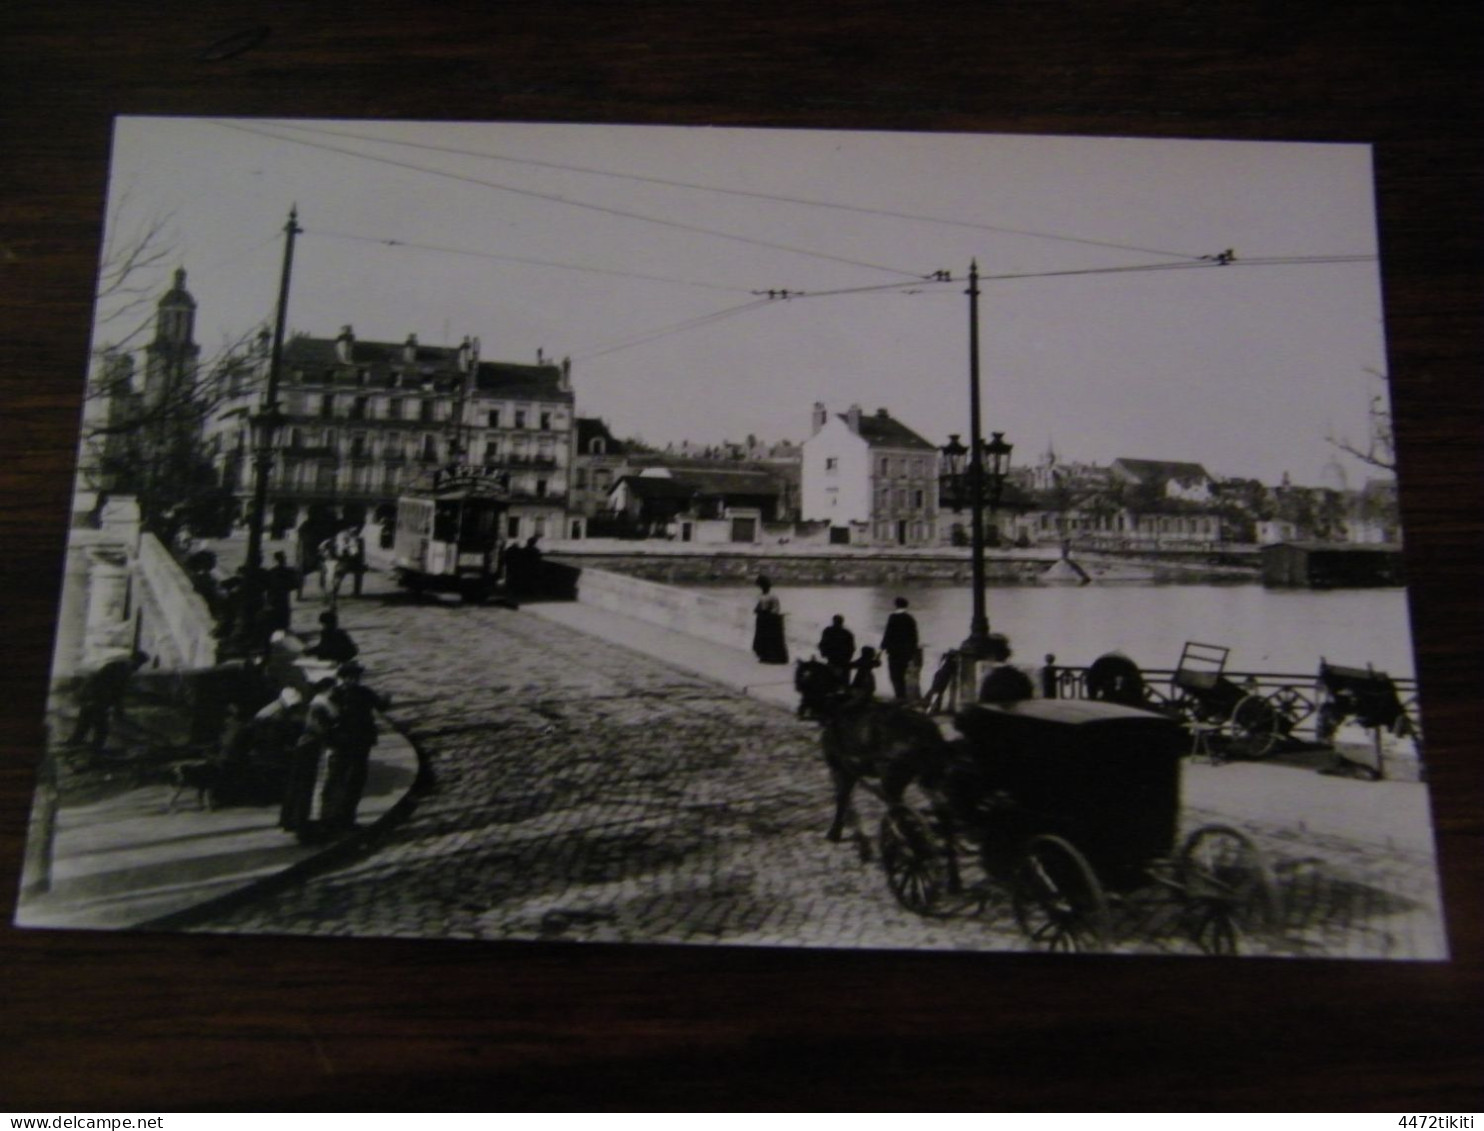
976,475
265,425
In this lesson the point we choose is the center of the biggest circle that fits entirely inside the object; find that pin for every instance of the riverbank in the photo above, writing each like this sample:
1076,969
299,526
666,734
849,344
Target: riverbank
679,562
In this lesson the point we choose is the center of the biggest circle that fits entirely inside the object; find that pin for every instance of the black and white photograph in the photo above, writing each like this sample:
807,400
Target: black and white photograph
737,537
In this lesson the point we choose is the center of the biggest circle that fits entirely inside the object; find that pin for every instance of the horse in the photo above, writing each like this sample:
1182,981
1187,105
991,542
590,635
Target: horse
885,745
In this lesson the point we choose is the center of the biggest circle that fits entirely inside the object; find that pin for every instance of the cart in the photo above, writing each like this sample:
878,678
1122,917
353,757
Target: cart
1367,697
1071,808
1205,700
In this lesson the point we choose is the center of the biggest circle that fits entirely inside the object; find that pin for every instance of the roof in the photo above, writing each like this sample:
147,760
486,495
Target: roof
590,428
656,487
884,431
439,364
693,482
1161,471
728,481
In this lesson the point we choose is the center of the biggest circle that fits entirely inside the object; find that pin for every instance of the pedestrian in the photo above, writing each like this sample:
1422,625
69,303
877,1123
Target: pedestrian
767,636
268,747
352,734
900,644
281,583
101,698
863,685
837,647
297,811
334,643
353,556
331,569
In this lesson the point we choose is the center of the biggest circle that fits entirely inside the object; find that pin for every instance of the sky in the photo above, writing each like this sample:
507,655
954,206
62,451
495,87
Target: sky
645,254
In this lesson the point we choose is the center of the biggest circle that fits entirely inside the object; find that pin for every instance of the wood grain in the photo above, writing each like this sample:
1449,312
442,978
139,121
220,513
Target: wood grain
158,1022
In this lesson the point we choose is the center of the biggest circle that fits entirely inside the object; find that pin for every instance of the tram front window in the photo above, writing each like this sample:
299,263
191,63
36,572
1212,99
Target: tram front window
477,528
446,522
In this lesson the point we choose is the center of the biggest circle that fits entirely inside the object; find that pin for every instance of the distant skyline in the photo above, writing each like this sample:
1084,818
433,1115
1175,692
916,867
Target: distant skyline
1109,326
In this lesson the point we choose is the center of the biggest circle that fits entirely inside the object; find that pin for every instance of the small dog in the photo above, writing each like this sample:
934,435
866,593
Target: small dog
198,774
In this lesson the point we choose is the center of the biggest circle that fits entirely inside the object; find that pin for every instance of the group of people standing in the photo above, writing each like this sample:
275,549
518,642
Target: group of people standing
308,735
333,558
899,644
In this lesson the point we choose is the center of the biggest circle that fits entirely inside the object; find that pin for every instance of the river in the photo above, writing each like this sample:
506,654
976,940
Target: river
1267,630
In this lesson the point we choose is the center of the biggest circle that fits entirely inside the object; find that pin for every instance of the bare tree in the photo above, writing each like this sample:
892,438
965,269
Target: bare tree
152,446
1380,447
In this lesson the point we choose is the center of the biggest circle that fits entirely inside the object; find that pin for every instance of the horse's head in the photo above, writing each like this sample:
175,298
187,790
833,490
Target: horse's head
816,684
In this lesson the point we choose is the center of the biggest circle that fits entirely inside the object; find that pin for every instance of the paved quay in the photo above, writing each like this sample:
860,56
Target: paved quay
598,779
140,856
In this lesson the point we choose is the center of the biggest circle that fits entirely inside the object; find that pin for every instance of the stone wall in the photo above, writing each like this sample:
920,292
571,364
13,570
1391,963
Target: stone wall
175,626
722,618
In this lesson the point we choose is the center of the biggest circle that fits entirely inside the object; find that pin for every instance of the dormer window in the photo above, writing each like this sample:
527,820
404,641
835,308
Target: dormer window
597,447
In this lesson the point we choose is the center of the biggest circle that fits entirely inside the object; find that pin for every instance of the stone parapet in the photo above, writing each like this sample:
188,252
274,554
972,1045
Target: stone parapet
176,627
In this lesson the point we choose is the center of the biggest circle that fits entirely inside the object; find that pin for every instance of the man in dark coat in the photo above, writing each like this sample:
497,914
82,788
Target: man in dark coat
282,582
837,648
334,643
101,696
352,735
900,644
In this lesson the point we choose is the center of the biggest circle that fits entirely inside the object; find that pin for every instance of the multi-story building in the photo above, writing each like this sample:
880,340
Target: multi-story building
873,479
362,421
598,462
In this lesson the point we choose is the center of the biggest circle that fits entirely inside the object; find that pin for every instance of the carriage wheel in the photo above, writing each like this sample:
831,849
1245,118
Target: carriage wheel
1256,726
1059,903
916,862
1292,705
1229,888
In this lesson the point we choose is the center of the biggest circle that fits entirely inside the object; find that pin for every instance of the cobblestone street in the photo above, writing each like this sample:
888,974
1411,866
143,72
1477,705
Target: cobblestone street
584,791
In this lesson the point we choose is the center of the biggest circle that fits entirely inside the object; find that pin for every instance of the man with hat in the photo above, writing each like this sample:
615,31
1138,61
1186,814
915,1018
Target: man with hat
352,734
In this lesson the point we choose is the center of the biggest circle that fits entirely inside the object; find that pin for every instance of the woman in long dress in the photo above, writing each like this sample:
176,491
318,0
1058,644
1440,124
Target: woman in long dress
767,637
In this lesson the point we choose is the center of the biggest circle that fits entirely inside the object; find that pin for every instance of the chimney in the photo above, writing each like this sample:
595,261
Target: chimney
564,383
468,355
409,350
820,415
345,346
853,418
882,414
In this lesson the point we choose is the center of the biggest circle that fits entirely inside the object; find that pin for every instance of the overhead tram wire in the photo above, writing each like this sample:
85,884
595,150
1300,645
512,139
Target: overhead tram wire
939,278
647,336
750,194
555,199
1138,268
388,242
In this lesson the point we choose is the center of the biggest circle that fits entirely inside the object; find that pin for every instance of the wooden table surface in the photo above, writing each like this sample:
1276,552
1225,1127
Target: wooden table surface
161,1022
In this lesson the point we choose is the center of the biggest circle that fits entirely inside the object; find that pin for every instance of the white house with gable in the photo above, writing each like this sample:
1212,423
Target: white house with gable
873,479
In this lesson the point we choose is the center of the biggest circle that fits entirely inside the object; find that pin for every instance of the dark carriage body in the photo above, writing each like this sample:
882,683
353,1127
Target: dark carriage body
1103,776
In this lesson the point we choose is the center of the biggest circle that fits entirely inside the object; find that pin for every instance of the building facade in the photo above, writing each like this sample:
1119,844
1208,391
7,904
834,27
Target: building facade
362,421
873,479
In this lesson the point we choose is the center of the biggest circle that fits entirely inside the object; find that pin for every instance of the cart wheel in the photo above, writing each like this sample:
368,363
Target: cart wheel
916,862
1292,705
1228,886
1255,727
1059,903
1185,708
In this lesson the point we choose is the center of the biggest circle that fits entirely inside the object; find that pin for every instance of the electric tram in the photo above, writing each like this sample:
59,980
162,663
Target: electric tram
448,533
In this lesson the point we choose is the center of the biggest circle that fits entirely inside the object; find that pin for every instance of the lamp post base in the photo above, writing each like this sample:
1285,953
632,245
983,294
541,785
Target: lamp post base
976,655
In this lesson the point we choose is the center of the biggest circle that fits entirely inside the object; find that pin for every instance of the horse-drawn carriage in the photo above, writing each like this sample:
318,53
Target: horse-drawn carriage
1072,808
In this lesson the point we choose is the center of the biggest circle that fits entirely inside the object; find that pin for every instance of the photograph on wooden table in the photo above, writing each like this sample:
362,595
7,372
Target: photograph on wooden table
737,537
